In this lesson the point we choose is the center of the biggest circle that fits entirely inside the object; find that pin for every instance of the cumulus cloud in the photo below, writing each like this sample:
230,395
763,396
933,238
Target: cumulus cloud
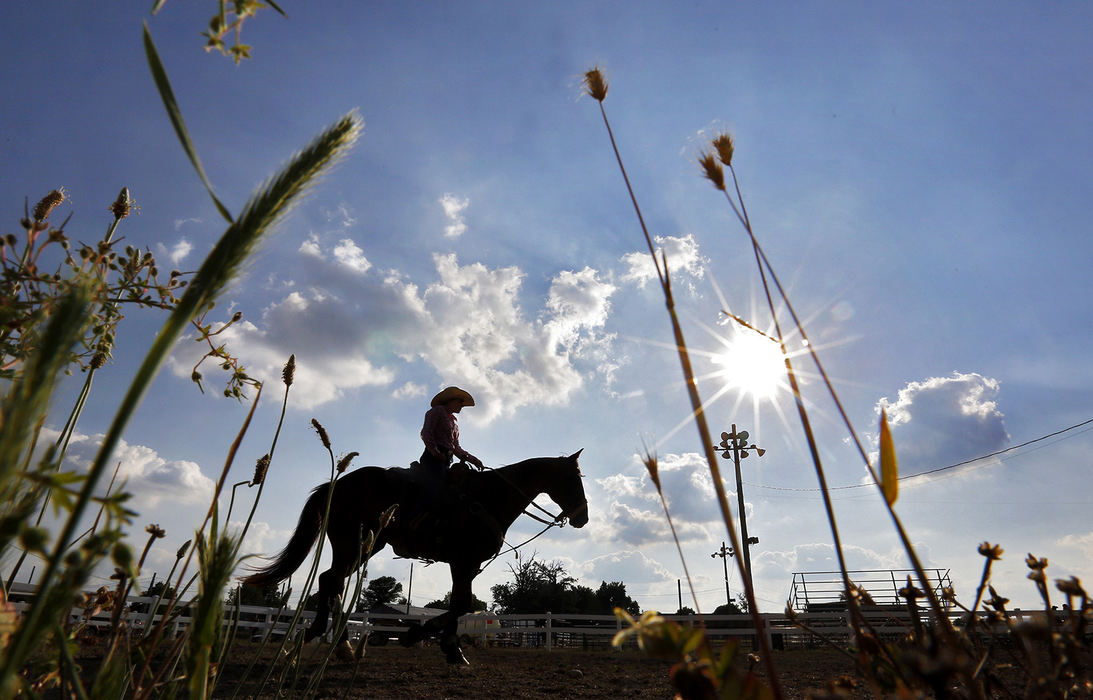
684,258
322,333
453,210
348,254
1083,544
638,526
410,390
150,478
358,325
628,566
944,420
310,247
820,556
176,253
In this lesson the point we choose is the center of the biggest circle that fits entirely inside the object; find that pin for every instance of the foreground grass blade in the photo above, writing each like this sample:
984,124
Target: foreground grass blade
265,208
159,74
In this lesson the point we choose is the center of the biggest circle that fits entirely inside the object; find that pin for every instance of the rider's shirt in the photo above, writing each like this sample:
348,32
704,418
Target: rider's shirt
441,433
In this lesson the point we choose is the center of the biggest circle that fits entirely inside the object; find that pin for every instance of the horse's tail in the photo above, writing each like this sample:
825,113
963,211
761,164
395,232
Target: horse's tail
294,553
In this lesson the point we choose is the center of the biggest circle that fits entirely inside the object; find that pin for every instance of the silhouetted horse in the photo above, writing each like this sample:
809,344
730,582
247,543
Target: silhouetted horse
464,526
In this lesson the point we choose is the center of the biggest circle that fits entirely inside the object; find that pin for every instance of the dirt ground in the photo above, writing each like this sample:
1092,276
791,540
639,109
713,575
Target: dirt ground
421,673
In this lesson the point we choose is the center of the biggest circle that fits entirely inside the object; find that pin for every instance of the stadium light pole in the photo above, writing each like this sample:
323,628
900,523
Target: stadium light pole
735,445
725,553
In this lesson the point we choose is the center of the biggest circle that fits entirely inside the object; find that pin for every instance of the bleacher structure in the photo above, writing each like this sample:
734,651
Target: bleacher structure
822,591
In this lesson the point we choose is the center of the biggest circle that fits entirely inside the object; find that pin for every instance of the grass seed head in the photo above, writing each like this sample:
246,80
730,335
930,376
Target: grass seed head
1036,564
260,469
155,531
651,465
289,371
322,433
343,463
48,203
992,552
595,84
123,205
723,144
183,549
712,170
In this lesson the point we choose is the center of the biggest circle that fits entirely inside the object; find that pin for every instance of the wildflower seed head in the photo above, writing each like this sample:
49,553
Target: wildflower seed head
595,85
260,469
48,203
98,360
183,549
155,531
289,371
343,463
322,433
992,552
123,205
652,466
712,170
1035,564
724,146
1070,586
996,601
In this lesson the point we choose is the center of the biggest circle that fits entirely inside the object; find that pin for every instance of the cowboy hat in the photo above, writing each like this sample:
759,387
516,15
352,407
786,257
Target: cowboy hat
452,392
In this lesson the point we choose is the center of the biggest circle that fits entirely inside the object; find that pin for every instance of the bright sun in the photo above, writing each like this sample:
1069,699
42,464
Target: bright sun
752,363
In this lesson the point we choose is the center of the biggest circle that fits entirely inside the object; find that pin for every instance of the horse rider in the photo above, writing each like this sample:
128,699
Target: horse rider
440,433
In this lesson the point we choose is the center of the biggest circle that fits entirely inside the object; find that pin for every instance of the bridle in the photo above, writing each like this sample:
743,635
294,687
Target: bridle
558,520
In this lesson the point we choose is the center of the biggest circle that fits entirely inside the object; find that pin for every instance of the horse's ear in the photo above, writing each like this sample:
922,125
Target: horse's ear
576,454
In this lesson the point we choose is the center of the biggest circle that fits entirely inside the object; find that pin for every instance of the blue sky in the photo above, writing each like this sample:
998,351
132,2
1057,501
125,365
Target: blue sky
916,175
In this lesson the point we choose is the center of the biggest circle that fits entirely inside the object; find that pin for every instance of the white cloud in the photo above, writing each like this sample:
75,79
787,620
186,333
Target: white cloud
683,259
944,420
637,526
311,248
349,254
355,325
179,251
409,390
453,210
341,216
179,223
150,478
1083,544
628,566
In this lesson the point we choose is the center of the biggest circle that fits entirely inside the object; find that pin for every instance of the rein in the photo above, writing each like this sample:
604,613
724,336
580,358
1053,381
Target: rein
557,520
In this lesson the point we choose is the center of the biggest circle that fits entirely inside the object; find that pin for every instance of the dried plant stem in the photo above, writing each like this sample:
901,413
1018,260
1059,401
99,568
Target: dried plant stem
699,415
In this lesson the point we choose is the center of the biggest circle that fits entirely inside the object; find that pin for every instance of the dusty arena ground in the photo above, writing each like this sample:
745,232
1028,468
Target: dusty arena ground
421,673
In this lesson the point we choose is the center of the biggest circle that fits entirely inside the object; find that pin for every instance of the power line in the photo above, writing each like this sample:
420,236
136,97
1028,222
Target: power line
938,469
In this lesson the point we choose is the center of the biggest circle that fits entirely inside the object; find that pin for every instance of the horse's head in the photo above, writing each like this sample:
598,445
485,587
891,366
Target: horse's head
567,490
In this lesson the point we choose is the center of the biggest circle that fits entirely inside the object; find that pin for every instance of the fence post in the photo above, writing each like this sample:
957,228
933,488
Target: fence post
549,635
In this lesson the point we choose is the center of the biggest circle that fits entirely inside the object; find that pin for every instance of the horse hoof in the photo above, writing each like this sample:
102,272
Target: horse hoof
344,652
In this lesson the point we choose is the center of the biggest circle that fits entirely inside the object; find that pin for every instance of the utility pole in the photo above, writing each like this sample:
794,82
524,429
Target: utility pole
735,445
725,553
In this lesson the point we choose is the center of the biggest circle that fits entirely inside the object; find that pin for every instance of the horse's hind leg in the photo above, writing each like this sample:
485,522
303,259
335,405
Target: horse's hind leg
331,583
462,576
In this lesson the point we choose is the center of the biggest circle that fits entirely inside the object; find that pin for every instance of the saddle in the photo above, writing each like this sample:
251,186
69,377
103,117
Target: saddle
436,511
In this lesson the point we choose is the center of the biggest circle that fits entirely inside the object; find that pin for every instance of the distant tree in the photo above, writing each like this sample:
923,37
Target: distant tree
613,595
685,611
539,586
536,587
268,596
730,608
383,590
446,601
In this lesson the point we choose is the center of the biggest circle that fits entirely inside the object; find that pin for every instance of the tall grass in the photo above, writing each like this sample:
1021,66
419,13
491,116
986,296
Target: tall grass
935,657
47,318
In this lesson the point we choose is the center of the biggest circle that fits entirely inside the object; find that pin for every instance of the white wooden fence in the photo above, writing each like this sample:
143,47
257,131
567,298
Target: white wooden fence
541,630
